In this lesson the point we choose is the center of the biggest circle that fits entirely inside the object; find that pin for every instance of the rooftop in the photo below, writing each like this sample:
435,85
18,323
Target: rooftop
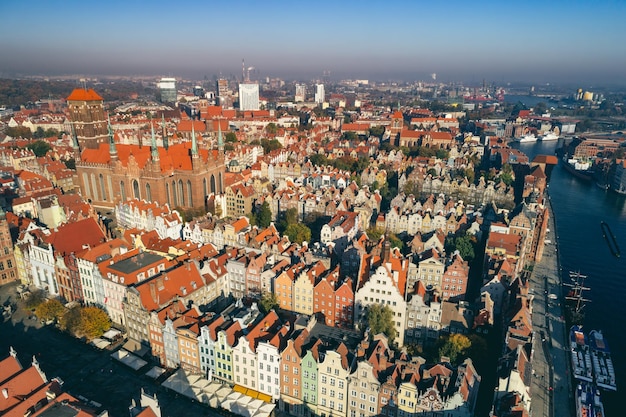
134,263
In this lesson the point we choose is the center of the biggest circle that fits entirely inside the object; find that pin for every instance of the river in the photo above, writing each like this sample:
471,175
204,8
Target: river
579,207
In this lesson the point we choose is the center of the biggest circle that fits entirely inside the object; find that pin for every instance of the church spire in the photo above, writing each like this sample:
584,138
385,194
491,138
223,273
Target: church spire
112,148
153,144
194,144
75,145
165,144
220,139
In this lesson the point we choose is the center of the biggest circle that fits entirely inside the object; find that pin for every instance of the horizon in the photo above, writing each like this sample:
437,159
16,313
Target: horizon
404,41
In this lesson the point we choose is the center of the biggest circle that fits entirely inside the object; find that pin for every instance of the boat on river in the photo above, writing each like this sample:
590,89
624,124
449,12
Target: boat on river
602,363
588,403
549,136
581,357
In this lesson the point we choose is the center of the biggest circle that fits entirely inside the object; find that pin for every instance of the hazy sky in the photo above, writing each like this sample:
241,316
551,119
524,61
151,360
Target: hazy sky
536,41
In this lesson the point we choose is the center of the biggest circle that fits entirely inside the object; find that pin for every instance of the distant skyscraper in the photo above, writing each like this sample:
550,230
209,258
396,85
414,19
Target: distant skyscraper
300,93
167,87
248,97
222,88
319,93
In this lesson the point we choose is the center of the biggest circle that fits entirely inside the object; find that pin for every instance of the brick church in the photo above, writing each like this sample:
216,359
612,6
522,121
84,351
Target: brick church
181,175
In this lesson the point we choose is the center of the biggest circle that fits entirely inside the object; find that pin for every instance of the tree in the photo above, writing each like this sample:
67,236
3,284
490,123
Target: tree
298,233
380,320
454,347
94,322
506,174
268,302
230,137
374,233
270,145
19,131
395,241
70,163
377,131
318,159
271,129
50,310
464,244
264,216
71,320
39,147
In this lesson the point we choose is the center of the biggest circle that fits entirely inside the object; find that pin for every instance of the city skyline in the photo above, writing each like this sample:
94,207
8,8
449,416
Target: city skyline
555,41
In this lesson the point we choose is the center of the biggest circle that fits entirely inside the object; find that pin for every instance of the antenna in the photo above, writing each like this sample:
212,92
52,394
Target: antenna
243,70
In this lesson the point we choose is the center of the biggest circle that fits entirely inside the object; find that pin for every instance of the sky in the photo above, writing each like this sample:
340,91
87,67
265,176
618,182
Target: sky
499,41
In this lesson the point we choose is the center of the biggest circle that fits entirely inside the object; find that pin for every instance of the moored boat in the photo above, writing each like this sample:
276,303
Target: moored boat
528,138
601,361
584,400
581,358
549,136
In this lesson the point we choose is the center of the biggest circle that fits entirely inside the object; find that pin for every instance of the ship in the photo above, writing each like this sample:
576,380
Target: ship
578,168
528,138
601,361
549,137
581,357
588,403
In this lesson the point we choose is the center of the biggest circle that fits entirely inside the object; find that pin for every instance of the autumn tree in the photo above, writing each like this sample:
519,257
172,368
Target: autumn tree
94,322
298,233
380,320
50,310
454,347
71,320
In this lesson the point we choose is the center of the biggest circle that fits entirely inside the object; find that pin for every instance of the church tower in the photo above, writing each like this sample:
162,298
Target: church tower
86,111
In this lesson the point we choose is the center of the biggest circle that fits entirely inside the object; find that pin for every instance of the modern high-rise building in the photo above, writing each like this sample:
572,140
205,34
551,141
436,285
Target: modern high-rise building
89,121
222,87
319,93
248,97
300,93
167,88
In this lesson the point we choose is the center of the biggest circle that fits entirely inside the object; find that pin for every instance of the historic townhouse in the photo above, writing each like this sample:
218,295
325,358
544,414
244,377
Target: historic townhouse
333,369
268,354
206,342
386,286
423,317
455,277
120,272
363,388
309,368
291,374
431,268
187,331
226,339
90,276
182,282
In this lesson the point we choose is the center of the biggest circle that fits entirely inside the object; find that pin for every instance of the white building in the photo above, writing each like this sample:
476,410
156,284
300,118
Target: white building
383,288
300,93
248,97
319,93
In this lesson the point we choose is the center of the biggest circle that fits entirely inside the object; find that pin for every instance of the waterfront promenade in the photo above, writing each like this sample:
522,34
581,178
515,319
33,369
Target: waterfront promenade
551,390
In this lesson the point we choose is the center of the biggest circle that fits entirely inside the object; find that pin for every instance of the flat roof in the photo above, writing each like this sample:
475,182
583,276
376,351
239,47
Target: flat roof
137,262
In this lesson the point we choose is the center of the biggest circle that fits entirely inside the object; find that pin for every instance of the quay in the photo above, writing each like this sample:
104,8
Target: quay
551,385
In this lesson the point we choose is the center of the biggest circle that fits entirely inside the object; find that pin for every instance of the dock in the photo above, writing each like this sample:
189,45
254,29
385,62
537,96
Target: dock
551,387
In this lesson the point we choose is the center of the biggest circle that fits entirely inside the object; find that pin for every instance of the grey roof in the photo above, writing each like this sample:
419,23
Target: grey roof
137,262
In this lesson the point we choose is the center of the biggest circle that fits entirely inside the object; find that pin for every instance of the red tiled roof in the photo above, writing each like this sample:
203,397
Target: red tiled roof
71,237
80,94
